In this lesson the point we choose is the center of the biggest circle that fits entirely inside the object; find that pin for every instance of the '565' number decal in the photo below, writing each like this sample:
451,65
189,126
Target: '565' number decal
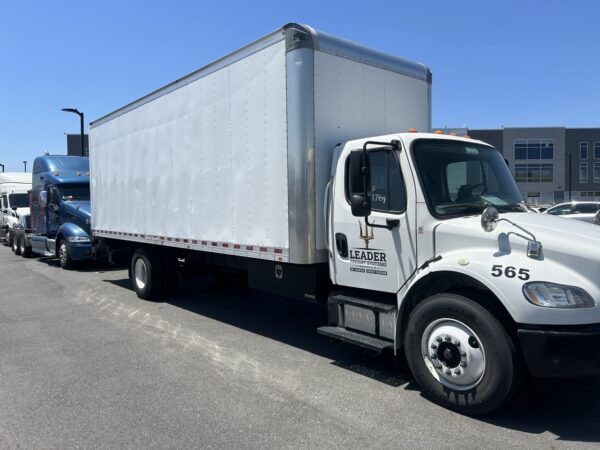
510,272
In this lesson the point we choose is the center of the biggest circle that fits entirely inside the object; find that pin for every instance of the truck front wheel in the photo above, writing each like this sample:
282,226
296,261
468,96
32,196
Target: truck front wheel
145,273
64,256
460,354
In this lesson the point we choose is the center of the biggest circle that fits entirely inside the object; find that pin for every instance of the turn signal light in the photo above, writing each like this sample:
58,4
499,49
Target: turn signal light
412,130
467,136
438,132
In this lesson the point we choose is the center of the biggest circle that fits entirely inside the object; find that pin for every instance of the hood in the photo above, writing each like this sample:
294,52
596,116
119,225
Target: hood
573,244
21,211
80,207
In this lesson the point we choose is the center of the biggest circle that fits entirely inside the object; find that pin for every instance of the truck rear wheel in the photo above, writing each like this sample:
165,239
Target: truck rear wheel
460,355
24,250
15,244
145,273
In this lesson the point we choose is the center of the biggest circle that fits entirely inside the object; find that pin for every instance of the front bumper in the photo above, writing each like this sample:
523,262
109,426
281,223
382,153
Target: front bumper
80,251
561,351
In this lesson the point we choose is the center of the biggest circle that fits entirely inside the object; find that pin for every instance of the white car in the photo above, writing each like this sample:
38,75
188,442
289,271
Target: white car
585,211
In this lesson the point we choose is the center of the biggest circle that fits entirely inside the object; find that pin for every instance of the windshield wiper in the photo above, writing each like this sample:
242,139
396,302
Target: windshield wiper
464,207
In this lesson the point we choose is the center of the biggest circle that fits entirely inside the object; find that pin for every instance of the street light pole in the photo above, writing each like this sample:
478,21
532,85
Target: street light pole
2,165
80,114
570,175
24,166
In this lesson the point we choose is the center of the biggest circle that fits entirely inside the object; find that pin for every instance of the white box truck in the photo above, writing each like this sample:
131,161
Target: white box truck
285,161
14,201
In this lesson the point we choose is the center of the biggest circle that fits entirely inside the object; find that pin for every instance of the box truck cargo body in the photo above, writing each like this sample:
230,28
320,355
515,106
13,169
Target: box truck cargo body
286,161
238,153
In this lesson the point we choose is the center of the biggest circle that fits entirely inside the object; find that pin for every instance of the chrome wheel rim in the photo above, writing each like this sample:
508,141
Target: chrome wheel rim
22,246
453,354
62,253
140,273
15,245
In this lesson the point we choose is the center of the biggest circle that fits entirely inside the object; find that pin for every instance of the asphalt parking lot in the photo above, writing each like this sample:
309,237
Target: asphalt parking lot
85,363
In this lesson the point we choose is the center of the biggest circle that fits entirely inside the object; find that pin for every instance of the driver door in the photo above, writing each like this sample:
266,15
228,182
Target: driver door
368,257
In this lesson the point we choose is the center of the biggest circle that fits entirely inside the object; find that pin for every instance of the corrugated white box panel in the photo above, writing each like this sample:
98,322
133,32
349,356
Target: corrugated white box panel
235,157
354,100
206,161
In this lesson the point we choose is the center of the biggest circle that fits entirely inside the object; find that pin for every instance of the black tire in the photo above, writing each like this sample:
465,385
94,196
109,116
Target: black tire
431,328
64,257
15,244
25,251
145,270
9,238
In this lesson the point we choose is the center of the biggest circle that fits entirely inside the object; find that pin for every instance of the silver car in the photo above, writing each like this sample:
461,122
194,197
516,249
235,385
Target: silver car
585,211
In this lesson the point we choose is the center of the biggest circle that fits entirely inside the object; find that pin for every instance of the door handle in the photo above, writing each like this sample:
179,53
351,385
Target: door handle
341,243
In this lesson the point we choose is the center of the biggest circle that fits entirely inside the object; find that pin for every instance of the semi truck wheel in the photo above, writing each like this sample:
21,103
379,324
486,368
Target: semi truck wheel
64,257
9,238
460,355
145,273
25,251
15,244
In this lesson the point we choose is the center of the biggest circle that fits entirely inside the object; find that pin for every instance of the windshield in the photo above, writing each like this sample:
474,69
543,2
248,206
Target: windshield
18,200
461,178
74,192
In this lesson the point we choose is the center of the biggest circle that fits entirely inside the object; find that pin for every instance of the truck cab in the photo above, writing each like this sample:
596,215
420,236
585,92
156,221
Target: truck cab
13,201
432,252
60,209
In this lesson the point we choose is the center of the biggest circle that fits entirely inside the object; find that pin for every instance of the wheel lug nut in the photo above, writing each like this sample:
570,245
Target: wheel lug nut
463,364
448,338
439,339
457,343
433,356
457,371
433,346
463,354
448,372
438,366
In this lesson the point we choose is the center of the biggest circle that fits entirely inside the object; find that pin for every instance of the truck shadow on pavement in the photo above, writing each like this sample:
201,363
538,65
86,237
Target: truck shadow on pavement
567,408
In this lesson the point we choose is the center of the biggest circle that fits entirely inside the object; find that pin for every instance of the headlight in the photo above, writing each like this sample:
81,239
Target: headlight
553,295
78,239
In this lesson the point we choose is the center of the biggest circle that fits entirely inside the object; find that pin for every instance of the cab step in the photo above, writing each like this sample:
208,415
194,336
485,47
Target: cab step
359,339
363,314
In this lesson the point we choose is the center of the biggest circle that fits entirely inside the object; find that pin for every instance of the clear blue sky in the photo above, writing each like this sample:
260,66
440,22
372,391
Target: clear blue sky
512,63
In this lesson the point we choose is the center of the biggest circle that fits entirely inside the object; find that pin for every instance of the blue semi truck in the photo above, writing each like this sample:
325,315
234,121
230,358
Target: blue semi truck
60,209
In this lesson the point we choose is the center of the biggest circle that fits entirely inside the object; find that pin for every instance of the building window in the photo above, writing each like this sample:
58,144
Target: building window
583,172
547,173
521,173
596,172
583,150
534,173
534,148
597,150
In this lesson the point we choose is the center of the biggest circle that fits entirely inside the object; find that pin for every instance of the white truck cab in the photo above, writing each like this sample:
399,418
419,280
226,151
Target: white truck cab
475,294
14,200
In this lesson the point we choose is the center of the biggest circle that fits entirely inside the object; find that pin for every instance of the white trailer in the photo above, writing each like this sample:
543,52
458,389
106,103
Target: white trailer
283,161
14,201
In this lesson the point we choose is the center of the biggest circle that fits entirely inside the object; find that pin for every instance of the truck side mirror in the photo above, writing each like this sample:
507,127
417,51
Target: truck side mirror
359,206
43,198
